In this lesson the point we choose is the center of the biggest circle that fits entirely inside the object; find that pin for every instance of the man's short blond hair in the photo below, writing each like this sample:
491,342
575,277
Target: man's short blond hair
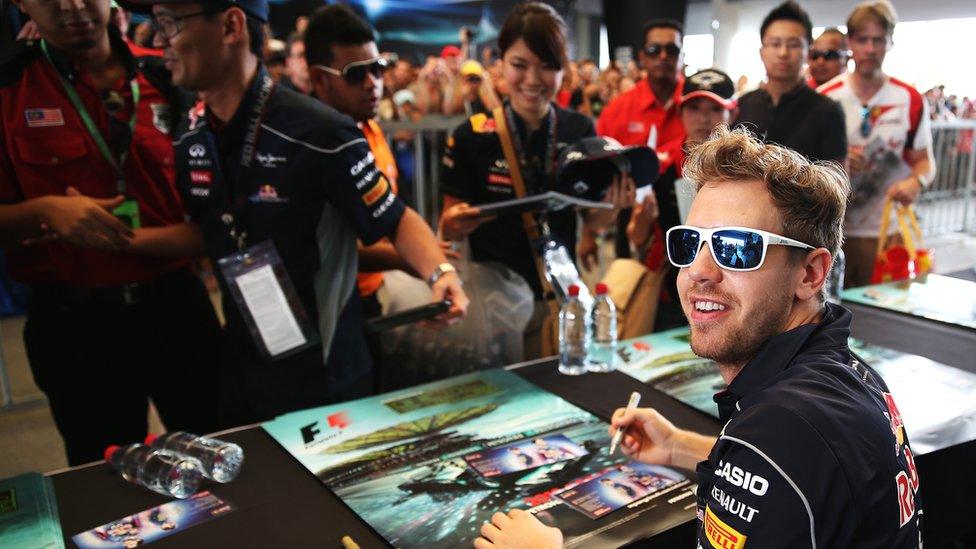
876,11
811,196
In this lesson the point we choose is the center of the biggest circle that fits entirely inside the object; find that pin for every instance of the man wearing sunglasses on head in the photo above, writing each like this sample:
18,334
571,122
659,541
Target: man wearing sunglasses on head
278,187
828,57
887,123
813,452
786,111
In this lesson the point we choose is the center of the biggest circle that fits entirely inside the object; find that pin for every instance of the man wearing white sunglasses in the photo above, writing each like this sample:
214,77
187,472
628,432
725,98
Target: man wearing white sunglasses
813,452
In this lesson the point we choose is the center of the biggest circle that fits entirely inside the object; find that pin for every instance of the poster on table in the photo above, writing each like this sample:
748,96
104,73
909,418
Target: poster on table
427,466
935,297
937,402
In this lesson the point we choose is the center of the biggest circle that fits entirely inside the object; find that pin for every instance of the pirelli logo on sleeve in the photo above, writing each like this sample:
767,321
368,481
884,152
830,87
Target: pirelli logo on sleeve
377,191
721,535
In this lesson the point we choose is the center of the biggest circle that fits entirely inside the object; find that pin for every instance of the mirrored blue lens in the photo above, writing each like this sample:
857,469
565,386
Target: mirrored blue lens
683,246
737,249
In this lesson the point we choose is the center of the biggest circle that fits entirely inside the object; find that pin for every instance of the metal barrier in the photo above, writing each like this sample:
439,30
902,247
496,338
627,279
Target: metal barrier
429,137
946,206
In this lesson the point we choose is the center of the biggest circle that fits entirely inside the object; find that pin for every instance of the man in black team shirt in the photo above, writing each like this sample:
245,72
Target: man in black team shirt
786,111
262,167
813,452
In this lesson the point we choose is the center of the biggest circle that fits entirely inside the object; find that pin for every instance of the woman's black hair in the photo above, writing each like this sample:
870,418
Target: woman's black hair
542,29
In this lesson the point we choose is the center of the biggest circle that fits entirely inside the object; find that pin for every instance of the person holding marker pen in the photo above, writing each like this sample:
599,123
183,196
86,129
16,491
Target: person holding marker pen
813,452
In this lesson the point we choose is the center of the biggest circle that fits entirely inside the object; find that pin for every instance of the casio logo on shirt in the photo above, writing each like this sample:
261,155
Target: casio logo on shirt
743,479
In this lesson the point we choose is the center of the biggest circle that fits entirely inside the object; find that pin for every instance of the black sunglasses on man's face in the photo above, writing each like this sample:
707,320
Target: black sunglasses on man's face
671,50
827,55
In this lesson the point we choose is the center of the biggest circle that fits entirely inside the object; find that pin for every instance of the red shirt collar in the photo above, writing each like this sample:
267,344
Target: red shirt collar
648,99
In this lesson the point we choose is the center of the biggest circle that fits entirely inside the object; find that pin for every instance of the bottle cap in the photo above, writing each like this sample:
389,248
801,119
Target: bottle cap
150,438
601,289
573,290
111,450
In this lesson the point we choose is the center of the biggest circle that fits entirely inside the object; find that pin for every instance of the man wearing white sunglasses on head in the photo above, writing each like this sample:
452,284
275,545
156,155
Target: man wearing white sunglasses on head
813,452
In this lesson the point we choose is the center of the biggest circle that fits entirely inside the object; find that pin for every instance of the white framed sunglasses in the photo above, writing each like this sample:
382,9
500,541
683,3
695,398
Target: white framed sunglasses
733,248
355,73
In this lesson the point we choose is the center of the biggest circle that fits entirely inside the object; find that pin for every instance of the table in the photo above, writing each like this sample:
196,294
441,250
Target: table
281,504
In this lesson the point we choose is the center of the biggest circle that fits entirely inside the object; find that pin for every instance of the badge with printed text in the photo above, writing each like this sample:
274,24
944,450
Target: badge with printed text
260,285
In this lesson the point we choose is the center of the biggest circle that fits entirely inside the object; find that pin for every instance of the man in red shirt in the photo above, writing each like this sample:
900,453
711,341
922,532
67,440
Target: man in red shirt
85,132
648,114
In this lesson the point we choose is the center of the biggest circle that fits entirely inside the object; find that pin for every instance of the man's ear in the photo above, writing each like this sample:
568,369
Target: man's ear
321,87
816,267
234,26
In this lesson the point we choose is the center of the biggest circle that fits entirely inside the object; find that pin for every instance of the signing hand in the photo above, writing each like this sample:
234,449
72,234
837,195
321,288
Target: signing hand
518,530
460,220
85,221
905,191
648,436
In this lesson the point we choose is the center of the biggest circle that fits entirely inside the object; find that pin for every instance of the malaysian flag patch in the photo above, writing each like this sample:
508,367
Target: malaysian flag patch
43,118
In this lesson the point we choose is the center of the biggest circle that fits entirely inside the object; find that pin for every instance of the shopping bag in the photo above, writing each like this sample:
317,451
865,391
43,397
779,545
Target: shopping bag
490,335
906,260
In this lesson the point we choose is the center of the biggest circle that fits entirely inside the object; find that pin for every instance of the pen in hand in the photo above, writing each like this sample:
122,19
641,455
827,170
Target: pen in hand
615,441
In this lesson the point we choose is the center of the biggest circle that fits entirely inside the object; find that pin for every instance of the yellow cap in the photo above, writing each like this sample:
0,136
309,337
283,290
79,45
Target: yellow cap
472,68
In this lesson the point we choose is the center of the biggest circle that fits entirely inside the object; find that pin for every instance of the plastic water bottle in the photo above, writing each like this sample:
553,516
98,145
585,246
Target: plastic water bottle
573,332
160,471
603,332
221,460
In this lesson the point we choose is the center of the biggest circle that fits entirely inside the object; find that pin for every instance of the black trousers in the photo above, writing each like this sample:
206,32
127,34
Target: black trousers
99,356
255,389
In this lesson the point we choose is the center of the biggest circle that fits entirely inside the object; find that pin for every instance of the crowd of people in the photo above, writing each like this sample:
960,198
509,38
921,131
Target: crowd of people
128,154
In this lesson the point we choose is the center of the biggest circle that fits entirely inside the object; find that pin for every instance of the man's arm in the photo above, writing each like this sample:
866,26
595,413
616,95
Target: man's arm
417,245
171,241
383,256
919,156
907,190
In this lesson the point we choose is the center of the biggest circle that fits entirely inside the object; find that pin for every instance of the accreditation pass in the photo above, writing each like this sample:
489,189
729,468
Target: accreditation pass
259,284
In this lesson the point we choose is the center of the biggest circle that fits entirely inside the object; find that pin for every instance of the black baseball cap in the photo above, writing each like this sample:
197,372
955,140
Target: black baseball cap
255,8
587,167
712,84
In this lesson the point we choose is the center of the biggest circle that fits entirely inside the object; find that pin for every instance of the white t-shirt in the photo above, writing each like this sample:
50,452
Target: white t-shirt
892,123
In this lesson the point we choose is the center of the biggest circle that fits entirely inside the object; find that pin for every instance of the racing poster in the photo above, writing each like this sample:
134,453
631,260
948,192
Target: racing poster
936,297
427,466
937,402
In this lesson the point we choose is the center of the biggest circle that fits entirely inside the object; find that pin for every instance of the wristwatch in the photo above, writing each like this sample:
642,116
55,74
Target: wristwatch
440,271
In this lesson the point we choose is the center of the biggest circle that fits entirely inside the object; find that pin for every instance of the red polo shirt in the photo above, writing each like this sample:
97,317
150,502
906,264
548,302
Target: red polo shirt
45,147
630,117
